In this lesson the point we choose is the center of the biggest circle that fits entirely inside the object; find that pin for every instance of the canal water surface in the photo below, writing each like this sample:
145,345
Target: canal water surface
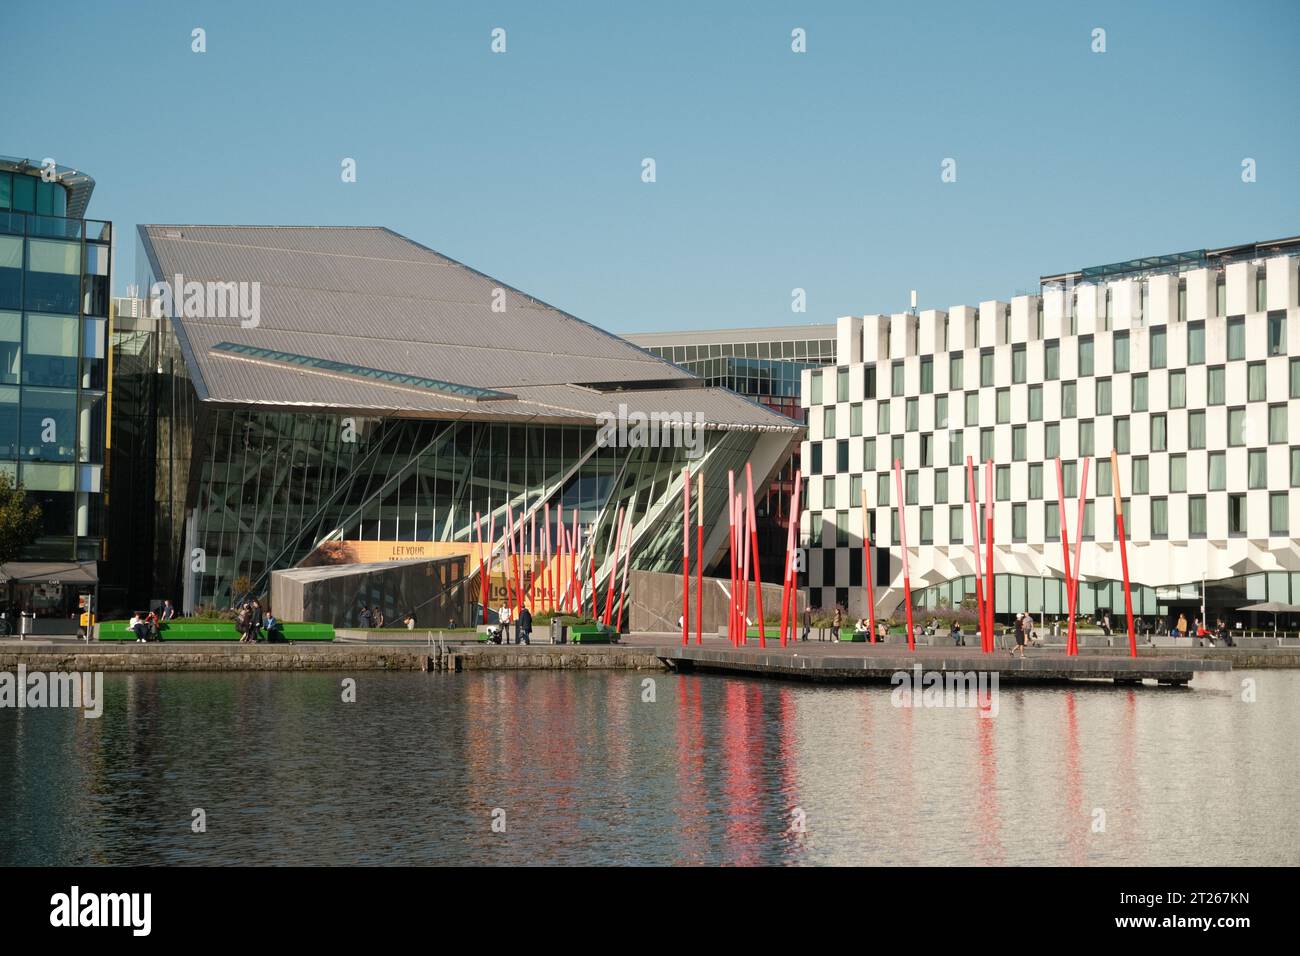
515,768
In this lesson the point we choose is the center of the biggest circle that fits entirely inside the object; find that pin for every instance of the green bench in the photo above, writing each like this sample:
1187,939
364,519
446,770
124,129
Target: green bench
185,629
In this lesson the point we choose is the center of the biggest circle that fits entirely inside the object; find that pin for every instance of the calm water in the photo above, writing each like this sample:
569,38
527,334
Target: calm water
587,773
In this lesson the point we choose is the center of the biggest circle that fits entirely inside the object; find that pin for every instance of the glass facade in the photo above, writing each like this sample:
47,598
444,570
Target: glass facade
54,295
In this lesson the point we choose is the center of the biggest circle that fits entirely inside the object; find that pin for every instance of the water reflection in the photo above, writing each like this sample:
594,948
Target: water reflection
587,768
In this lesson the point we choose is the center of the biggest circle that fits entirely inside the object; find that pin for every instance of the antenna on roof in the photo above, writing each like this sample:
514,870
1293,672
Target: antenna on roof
914,302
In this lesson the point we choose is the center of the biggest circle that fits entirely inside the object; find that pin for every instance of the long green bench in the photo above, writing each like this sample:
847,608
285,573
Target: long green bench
192,630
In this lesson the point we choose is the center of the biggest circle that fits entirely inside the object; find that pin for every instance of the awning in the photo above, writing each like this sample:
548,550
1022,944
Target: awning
50,572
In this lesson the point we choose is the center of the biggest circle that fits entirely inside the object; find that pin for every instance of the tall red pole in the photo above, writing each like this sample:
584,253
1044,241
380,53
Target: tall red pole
546,559
519,561
686,555
1123,554
787,584
575,569
731,543
741,524
491,544
699,558
985,643
795,516
623,584
507,536
1072,647
482,574
532,560
758,574
613,571
902,537
591,572
990,592
1065,553
866,564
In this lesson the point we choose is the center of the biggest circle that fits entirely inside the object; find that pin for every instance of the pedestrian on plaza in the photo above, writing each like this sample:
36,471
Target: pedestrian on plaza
524,627
503,618
1021,634
958,639
365,617
807,621
168,612
1181,626
836,623
409,620
378,617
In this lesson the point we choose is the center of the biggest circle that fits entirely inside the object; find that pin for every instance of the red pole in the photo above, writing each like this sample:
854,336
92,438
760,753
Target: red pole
990,591
699,558
622,587
546,558
787,582
591,572
902,536
866,564
795,516
1065,554
558,601
482,575
975,550
1072,648
532,560
613,571
741,525
1123,553
686,555
519,561
758,574
575,568
731,545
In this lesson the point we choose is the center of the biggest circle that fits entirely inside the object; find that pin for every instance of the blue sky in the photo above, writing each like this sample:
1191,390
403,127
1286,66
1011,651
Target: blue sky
775,170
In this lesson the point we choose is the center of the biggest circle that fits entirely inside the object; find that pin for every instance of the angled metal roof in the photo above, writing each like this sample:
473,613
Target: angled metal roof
368,298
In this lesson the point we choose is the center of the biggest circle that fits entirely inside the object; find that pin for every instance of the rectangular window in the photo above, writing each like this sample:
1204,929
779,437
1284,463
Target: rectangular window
986,444
1051,521
1018,363
1295,377
1158,349
855,420
1236,338
1279,506
1158,438
815,380
1256,383
955,372
855,491
1178,389
1236,515
1236,427
1121,352
1217,477
1196,516
1019,442
1177,473
986,368
1196,429
882,418
1122,443
1035,403
1139,397
842,385
1052,440
1019,522
927,451
1215,390
1069,402
956,455
869,382
828,491
955,515
828,421
1102,480
1004,405
1295,467
1257,468
972,408
896,379
1141,485
1035,481
1277,430
1277,332
869,455
941,486
927,375
1085,355
1103,396
1002,475
816,463
841,529
1195,343
941,411
927,526
1159,518
912,487
896,449
884,482
1220,295
1052,360
1086,443
913,410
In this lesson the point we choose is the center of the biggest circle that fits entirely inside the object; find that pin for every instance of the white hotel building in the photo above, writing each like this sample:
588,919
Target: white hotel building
1187,365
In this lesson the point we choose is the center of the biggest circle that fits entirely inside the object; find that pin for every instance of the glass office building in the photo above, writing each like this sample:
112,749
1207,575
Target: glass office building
383,400
54,293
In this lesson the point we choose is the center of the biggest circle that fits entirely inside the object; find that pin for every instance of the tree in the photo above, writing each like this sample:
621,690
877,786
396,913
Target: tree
20,520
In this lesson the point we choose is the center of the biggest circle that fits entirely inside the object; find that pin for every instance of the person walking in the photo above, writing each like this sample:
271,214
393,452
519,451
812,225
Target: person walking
807,621
503,618
1181,626
1022,634
836,623
524,627
365,618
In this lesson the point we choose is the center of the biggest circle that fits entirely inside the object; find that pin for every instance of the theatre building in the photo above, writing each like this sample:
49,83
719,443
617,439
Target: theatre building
1187,366
299,396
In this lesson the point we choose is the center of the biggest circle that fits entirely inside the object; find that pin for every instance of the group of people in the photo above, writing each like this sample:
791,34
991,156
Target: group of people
251,620
373,617
523,626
